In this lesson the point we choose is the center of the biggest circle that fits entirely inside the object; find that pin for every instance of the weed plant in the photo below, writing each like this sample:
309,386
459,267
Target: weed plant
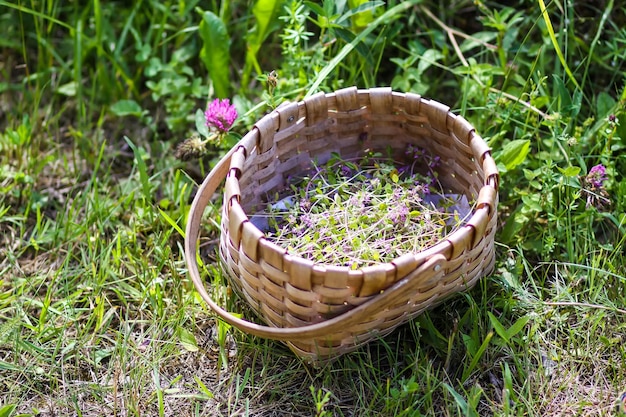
97,316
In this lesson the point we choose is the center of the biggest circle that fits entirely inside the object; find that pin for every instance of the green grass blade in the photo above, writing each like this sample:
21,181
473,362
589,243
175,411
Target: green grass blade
461,402
172,223
481,350
78,61
8,366
143,170
555,42
36,14
203,388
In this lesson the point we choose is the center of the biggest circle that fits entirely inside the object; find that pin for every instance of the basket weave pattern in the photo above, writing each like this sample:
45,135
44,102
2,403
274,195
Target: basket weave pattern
322,311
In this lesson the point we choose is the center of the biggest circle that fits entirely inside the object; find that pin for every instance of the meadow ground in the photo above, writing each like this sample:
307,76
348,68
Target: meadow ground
97,316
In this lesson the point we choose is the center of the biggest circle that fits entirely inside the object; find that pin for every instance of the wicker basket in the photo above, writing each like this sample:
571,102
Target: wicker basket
322,311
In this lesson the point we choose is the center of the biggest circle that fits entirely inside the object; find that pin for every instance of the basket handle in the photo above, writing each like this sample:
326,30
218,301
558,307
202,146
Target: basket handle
430,268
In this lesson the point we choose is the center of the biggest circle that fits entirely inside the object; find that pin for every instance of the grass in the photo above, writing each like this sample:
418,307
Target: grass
97,316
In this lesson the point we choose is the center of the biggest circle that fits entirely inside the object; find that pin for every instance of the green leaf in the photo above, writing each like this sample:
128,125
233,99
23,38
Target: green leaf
266,14
604,105
532,202
361,48
570,171
8,366
569,104
514,224
499,328
7,410
513,153
126,108
201,126
362,10
470,344
315,8
188,340
461,402
477,40
559,85
215,52
68,89
517,326
428,58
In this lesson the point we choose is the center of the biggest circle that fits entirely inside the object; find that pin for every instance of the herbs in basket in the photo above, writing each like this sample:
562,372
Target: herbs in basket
366,211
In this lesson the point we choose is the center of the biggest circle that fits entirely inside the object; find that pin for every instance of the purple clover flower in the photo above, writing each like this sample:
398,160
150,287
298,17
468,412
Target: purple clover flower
400,214
220,114
597,176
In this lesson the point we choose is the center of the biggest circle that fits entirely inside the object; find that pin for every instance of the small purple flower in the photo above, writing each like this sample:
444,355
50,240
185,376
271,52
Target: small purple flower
220,114
399,215
382,244
305,205
415,152
416,192
345,170
597,195
597,176
355,201
307,221
397,194
434,162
